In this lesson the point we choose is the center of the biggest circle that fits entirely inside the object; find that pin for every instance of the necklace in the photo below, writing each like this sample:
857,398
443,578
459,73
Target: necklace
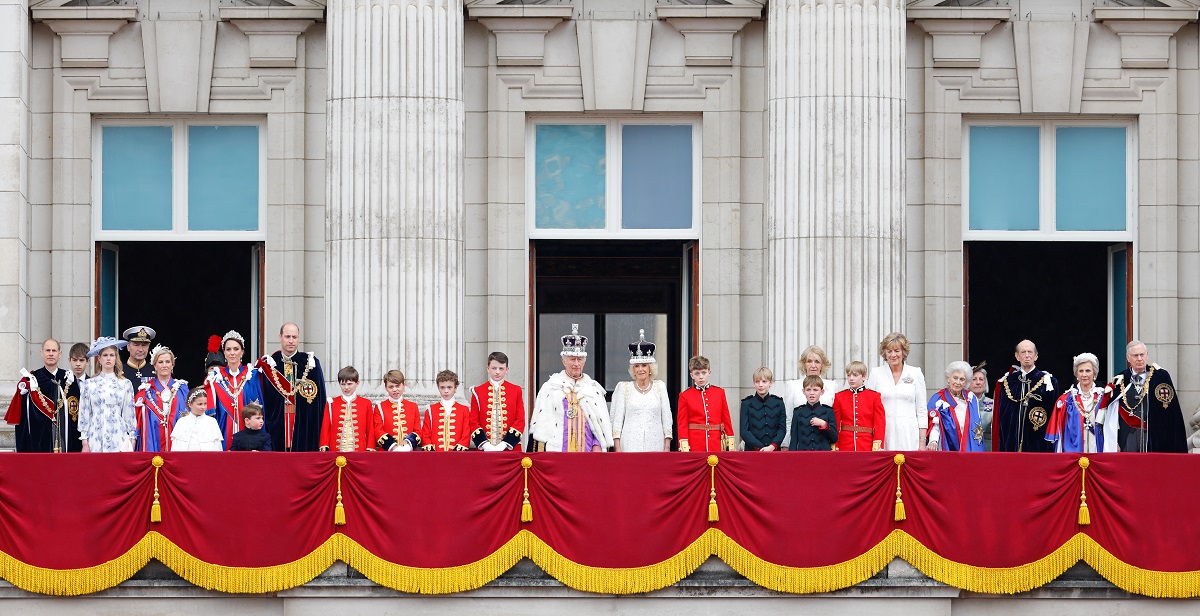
1145,388
644,391
1036,386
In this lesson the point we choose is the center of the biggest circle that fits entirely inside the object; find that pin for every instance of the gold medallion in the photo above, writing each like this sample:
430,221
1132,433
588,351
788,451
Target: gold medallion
73,408
1164,393
1037,417
308,389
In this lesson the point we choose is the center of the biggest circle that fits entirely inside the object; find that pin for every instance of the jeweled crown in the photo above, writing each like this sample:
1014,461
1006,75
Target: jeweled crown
642,351
574,343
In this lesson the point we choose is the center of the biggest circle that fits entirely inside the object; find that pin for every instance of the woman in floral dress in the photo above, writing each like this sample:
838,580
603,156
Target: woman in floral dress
106,419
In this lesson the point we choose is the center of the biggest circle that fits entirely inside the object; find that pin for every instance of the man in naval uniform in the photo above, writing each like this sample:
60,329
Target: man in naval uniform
1145,414
136,368
293,389
569,413
47,418
1024,398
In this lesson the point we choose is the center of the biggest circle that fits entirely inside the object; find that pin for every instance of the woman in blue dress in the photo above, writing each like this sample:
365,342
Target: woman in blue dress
232,386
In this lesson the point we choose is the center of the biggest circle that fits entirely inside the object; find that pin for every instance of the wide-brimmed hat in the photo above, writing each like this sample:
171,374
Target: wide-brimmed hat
103,342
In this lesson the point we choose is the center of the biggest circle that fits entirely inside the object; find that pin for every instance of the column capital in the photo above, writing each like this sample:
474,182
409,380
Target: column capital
520,30
1145,33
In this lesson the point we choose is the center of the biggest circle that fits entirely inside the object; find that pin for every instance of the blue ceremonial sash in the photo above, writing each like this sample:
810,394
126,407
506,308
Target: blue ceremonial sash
943,404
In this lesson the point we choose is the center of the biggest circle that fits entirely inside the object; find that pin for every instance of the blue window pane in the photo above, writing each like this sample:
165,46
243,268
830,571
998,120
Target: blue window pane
223,178
1090,182
108,292
656,177
136,178
569,177
1004,178
1119,324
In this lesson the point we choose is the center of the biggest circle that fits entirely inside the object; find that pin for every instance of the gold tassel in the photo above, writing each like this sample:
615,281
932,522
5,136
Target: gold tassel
339,511
1085,517
899,516
713,515
526,508
155,508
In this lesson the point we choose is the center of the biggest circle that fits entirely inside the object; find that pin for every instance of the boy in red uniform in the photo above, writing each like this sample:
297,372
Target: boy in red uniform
447,425
348,422
703,421
859,411
398,420
498,409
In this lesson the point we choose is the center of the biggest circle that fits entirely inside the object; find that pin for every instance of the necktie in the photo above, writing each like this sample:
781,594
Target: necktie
1137,384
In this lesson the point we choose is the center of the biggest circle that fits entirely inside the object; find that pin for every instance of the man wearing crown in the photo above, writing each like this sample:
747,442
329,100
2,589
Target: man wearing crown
293,389
1145,414
569,413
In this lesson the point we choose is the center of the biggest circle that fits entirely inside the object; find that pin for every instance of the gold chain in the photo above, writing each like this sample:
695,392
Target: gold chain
1142,396
1008,392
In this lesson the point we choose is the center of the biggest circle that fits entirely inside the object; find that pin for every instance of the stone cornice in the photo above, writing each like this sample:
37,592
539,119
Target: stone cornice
958,32
1145,33
520,30
708,30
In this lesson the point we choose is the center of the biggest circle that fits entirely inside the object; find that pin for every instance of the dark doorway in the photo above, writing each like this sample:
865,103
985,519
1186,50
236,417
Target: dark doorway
1056,294
186,291
611,289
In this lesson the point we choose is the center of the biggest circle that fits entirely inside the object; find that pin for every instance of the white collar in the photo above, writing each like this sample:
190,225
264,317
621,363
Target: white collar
496,383
349,400
396,401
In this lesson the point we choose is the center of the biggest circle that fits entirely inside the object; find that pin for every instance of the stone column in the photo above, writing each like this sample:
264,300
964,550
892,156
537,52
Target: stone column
16,350
835,188
394,219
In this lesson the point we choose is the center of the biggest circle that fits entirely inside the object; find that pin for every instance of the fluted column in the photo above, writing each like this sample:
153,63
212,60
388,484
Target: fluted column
835,232
394,220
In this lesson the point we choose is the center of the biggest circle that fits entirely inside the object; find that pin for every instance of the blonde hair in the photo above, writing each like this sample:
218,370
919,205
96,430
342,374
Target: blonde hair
763,374
820,353
653,370
856,367
891,340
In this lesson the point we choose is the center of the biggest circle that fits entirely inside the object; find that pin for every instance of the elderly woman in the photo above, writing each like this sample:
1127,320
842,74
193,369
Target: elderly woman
954,422
641,411
979,387
106,420
902,388
232,386
812,361
159,402
1077,422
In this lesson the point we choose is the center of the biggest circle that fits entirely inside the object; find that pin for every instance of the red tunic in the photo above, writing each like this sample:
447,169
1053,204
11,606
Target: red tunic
396,421
703,419
341,426
442,431
861,419
500,414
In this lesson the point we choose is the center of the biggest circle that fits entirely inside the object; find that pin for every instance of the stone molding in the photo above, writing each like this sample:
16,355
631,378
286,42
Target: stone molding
957,43
613,58
520,30
85,32
272,42
1145,33
708,30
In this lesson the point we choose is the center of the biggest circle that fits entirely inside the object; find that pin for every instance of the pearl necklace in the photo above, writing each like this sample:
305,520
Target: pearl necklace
644,391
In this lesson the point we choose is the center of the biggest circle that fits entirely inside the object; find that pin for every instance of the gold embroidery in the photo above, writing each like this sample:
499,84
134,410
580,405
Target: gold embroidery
348,430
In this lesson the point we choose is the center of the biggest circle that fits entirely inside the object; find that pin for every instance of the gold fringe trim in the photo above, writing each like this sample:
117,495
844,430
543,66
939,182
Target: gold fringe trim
713,514
898,544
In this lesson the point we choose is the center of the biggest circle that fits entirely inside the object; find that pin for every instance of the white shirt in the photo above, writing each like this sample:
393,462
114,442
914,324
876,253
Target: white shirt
196,433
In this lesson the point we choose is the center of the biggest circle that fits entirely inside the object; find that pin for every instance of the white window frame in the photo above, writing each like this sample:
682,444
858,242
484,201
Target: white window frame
179,181
1047,181
613,178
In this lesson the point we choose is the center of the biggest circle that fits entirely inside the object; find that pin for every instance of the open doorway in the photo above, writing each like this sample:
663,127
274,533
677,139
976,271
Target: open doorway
613,288
1067,297
186,291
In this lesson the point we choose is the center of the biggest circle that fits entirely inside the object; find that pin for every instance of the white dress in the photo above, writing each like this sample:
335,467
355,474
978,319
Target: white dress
792,393
904,404
192,433
641,420
106,417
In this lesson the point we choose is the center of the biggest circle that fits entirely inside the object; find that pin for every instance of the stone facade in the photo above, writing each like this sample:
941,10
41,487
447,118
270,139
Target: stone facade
397,198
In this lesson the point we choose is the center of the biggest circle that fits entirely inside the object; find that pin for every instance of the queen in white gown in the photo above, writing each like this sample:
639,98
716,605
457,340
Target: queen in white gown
641,411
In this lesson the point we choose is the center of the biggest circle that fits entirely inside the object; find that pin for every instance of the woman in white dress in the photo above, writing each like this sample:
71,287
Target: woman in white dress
812,361
641,411
106,418
902,388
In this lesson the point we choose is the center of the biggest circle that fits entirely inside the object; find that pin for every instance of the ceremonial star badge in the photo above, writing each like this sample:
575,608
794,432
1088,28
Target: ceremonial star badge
977,434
